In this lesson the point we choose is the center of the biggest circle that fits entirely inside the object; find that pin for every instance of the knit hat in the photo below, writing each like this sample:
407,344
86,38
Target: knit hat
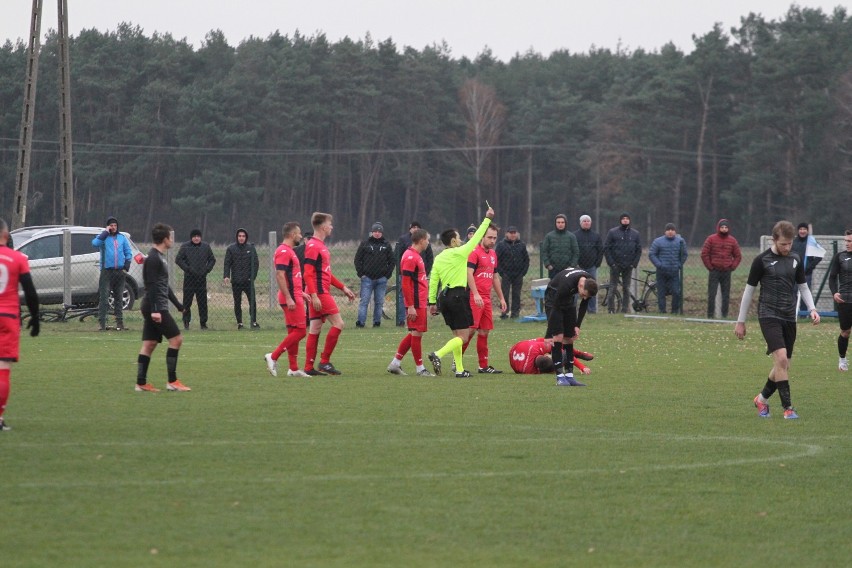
195,233
111,220
585,218
670,227
623,215
415,224
511,229
803,226
471,229
377,227
723,223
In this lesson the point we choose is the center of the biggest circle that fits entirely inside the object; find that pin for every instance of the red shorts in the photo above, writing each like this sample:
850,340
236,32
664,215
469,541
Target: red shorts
482,317
295,317
329,307
10,338
420,323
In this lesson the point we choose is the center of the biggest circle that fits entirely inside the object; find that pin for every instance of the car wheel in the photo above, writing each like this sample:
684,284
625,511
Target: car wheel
127,299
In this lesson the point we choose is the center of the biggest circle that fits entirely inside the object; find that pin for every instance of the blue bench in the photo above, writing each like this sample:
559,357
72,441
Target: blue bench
537,290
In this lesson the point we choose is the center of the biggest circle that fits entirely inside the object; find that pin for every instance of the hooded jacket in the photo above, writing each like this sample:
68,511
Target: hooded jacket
241,262
375,259
560,250
115,250
721,251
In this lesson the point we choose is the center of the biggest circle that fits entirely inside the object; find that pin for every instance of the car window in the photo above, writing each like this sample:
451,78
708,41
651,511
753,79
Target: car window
81,243
45,247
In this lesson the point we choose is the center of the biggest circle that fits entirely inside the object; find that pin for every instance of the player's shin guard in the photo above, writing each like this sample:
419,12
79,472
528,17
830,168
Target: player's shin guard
842,345
4,388
417,349
784,393
142,363
556,354
568,360
482,350
311,350
404,345
330,344
768,389
171,363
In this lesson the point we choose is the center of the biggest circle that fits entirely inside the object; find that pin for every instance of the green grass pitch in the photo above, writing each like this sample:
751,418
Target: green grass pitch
660,461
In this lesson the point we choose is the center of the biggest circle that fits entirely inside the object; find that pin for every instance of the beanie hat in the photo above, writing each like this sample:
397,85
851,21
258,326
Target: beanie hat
623,215
111,220
670,227
471,229
803,226
195,233
377,227
585,218
723,223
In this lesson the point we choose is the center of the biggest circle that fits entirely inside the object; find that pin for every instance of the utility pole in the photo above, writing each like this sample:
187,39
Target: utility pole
22,179
25,145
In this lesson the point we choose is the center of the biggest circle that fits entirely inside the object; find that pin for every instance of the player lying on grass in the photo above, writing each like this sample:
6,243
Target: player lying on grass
533,357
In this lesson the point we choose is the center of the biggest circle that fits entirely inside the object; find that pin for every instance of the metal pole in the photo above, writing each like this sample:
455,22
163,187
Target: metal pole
22,177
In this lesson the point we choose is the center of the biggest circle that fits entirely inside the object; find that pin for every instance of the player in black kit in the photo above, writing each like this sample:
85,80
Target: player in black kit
779,272
564,319
155,309
840,284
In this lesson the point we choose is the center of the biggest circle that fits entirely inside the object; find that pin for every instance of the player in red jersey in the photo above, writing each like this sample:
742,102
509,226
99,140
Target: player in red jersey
291,298
318,281
481,279
415,294
14,270
532,357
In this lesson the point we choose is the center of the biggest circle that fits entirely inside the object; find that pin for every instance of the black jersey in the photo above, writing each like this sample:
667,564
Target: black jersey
155,274
778,277
840,275
564,286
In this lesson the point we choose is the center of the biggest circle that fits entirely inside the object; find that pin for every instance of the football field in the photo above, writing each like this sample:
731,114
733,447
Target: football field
660,461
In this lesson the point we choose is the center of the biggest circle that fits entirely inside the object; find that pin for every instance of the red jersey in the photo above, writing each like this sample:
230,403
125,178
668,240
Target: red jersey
415,284
483,262
12,265
286,260
522,355
318,278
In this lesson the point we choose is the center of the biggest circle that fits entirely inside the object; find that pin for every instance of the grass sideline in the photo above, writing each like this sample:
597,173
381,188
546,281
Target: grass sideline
661,461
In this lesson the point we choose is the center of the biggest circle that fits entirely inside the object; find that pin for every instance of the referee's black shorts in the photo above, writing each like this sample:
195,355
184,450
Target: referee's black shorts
455,307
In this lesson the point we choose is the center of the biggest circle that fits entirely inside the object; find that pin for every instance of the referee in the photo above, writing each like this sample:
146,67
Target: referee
448,292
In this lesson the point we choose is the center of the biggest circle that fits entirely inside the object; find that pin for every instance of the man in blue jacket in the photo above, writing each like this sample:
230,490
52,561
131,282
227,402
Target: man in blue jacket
115,262
668,253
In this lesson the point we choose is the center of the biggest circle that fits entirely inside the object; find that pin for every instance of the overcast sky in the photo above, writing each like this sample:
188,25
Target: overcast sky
507,27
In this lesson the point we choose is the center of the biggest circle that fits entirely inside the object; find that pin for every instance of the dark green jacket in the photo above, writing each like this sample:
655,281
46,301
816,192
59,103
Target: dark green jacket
560,249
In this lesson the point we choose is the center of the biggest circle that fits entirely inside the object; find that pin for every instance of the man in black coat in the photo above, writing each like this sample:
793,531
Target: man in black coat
241,265
623,249
374,262
513,262
196,259
591,253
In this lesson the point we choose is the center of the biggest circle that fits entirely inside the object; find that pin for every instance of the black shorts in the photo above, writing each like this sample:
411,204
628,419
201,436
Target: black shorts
560,319
844,314
778,334
455,307
153,331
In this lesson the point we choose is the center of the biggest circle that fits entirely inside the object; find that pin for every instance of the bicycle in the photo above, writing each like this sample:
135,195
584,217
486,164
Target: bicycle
67,313
646,301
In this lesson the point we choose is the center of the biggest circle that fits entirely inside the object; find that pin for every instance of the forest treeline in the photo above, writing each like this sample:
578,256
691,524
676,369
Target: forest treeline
754,124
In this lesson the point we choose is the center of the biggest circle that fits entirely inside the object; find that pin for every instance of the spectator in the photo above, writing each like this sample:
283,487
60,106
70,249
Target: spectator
374,262
196,259
623,249
591,254
470,231
513,262
115,262
721,255
668,254
800,247
428,256
559,249
241,265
